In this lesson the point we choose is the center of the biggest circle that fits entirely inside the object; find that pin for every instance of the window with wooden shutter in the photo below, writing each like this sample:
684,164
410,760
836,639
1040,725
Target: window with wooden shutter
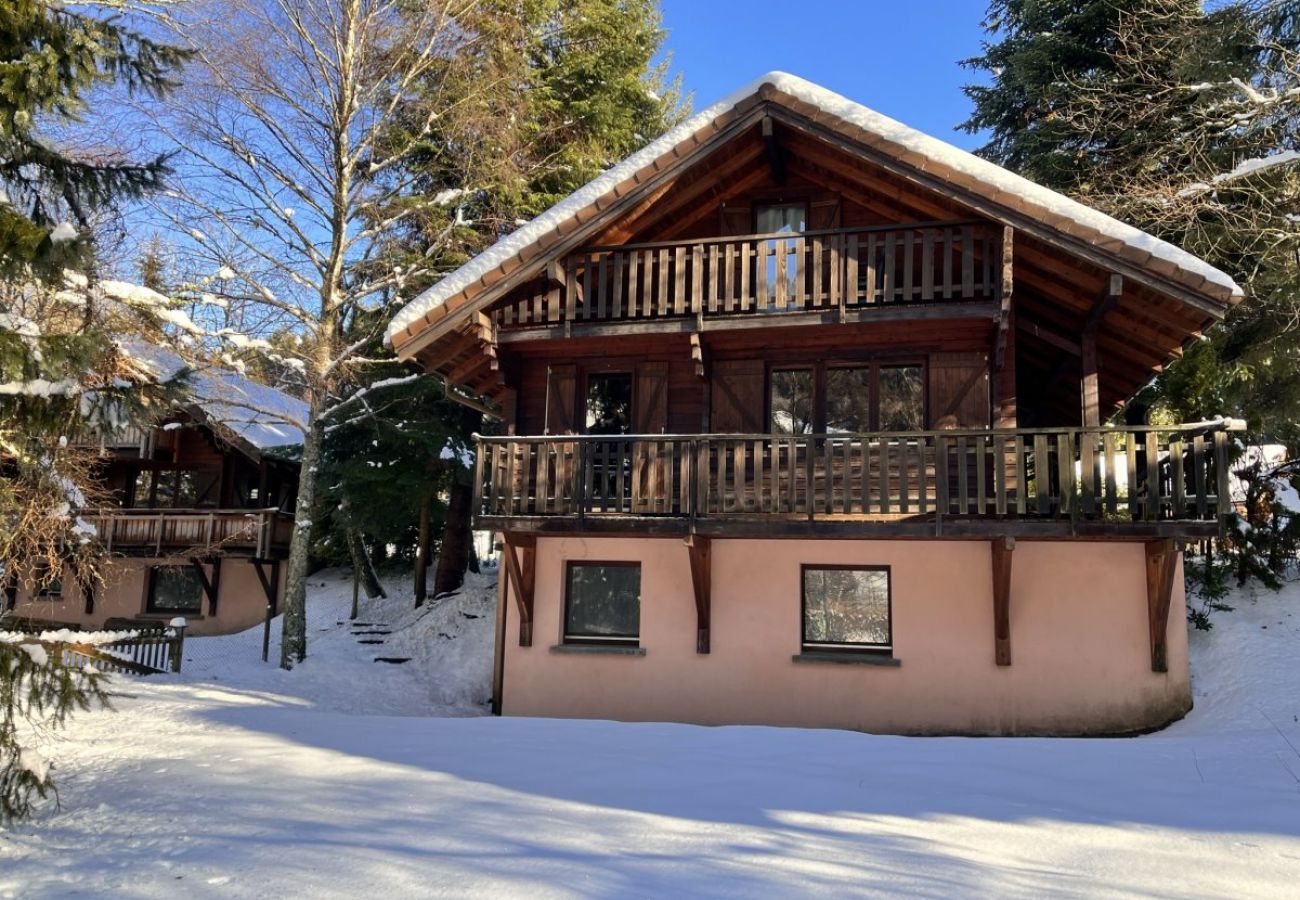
650,399
824,213
959,390
561,400
737,397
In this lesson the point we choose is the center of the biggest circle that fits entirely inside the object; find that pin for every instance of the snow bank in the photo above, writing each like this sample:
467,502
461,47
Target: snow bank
909,139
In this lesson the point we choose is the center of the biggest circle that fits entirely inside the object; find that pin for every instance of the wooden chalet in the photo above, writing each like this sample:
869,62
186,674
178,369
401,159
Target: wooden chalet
796,384
197,517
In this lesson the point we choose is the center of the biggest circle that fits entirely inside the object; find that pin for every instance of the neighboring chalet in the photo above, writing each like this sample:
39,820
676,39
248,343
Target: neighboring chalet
803,426
199,516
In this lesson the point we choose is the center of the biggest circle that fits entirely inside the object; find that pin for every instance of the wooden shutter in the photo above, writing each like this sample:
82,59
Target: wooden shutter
737,399
561,400
736,218
824,213
959,390
650,398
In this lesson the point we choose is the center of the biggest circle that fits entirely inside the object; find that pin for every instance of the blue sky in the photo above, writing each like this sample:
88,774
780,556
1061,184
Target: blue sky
898,57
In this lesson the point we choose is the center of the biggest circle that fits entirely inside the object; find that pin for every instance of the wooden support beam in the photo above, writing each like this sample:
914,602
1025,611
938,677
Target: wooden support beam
1005,292
87,595
773,151
209,584
700,550
1002,550
269,583
1089,381
1162,563
1048,336
697,355
521,553
11,591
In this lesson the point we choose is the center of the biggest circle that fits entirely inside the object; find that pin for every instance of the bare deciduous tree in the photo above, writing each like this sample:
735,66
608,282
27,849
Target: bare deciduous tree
288,188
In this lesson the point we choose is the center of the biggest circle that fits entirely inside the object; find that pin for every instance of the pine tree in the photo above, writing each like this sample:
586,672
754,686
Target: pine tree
1185,122
61,372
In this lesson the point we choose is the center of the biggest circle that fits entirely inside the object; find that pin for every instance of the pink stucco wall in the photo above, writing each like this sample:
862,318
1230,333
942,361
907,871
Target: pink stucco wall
241,602
1080,650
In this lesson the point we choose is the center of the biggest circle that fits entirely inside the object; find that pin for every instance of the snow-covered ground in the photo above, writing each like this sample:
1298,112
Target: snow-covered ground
350,777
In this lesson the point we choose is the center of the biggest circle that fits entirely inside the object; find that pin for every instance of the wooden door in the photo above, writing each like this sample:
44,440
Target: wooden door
652,461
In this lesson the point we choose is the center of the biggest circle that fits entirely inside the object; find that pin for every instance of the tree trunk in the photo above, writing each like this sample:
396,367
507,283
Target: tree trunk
361,562
293,638
453,558
422,553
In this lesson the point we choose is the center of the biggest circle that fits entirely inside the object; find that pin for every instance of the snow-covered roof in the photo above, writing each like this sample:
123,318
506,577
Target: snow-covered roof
938,156
259,415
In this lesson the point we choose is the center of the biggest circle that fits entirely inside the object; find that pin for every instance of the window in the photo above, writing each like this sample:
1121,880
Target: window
781,218
792,401
609,403
902,398
602,603
848,400
175,589
846,608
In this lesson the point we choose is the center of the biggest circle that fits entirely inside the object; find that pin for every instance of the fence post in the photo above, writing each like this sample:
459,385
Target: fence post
178,626
266,630
356,581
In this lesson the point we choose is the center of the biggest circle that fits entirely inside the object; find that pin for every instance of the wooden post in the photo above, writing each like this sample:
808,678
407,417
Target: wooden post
270,587
356,585
1161,564
1002,550
699,549
523,574
499,644
422,552
1088,382
177,644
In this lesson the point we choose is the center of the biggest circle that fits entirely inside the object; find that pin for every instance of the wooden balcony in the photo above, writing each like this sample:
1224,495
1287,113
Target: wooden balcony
833,275
1085,482
257,533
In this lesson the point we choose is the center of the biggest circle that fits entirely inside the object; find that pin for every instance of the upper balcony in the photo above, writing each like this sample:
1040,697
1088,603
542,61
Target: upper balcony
256,533
807,277
1137,482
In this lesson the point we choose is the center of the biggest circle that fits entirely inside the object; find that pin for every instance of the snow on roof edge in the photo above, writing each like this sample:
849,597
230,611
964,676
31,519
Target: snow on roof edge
834,104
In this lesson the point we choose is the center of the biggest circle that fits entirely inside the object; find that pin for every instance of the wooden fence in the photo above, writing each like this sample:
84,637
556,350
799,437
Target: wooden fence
141,652
197,530
1140,474
809,271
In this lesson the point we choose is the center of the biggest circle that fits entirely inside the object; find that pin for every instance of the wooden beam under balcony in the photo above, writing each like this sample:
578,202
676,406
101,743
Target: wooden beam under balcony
1002,555
699,548
521,569
1162,564
985,310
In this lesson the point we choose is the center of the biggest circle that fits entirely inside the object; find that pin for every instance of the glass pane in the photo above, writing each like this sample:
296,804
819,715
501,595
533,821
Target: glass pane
175,589
603,602
187,493
609,403
143,482
848,400
846,606
902,399
792,401
787,218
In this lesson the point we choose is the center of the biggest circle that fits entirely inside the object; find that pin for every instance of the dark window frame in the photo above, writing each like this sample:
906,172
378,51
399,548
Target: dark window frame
52,591
819,371
758,205
603,372
886,649
598,640
150,607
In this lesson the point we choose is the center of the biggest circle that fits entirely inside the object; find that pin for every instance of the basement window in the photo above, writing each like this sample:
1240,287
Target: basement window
602,603
174,589
847,608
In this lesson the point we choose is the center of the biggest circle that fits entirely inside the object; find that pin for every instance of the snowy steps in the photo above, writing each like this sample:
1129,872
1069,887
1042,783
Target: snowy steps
372,634
393,660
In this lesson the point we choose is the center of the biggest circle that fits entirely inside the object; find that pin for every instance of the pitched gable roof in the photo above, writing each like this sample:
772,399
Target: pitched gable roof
256,416
1006,197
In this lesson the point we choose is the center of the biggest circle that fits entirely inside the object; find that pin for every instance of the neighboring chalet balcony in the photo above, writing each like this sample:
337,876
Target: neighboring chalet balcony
255,533
1062,482
831,276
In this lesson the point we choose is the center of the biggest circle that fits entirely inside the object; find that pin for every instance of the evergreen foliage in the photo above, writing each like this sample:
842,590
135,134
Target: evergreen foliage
1181,120
37,691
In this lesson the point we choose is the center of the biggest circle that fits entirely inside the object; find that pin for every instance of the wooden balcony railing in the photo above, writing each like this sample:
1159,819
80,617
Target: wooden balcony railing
840,269
1168,480
255,532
